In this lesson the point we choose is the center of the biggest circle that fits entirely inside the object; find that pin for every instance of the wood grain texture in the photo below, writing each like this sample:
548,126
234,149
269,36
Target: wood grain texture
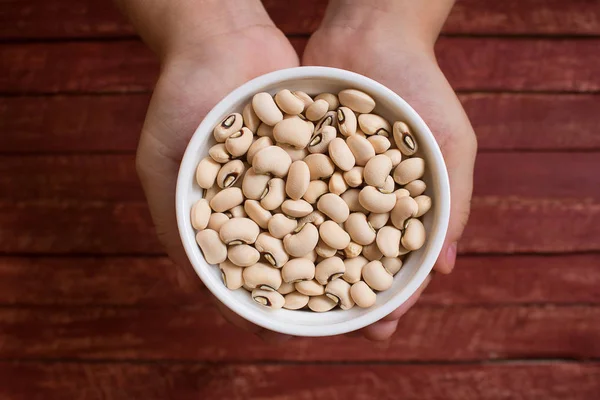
497,225
471,64
99,123
29,19
199,333
155,281
120,381
112,177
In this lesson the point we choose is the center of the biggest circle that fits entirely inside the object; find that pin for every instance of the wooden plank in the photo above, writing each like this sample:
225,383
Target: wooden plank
497,225
471,64
112,123
155,281
96,381
30,19
426,333
112,177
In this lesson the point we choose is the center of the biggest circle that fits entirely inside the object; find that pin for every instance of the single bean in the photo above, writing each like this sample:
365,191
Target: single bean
340,154
266,109
414,234
416,187
211,192
339,291
324,250
351,197
401,193
296,208
395,155
238,231
352,250
286,288
333,235
354,177
268,298
288,102
377,170
404,139
356,100
346,121
317,110
319,142
354,267
279,226
321,303
375,201
275,194
316,218
361,148
262,276
334,207
331,99
373,124
329,119
226,199
371,252
378,220
228,126
243,255
257,213
265,130
298,180
230,173
406,207
272,160
293,131
251,120
231,275
238,144
254,185
206,172
388,241
200,214
302,242
259,144
337,183
359,229
316,188
214,250
294,153
219,153
375,275
392,264
295,301
320,166
424,205
298,270
237,212
216,221
310,288
272,249
380,143
362,294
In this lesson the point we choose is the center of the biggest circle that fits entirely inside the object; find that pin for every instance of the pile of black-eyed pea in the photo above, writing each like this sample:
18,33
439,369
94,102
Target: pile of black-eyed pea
310,202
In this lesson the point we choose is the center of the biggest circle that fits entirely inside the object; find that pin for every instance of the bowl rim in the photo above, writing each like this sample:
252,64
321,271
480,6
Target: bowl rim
187,171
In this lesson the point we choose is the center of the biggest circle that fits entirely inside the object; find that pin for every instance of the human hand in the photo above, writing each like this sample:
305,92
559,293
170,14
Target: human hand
371,41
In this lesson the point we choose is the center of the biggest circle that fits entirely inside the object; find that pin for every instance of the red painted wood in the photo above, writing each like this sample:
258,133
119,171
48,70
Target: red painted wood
112,123
113,177
155,281
96,18
79,380
470,64
426,333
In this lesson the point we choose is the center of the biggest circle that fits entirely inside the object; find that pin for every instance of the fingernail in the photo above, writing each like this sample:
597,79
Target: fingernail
451,255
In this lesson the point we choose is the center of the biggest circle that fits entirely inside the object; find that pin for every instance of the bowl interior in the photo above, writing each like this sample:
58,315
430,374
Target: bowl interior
417,265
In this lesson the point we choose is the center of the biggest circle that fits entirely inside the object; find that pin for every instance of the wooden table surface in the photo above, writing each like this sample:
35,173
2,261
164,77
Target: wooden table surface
90,308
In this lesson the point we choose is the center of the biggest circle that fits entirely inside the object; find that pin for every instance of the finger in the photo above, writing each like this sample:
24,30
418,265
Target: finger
379,331
407,305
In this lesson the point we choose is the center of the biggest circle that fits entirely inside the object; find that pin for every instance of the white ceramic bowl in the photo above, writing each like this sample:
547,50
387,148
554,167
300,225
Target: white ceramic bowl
418,264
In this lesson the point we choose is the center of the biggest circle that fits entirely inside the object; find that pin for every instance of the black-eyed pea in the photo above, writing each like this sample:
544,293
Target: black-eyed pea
231,275
279,226
319,142
406,207
414,234
286,288
405,140
375,201
321,303
227,199
375,275
359,229
293,131
316,188
356,100
238,212
317,110
312,256
295,300
388,186
377,170
230,173
329,119
416,187
302,241
274,195
265,130
380,143
424,205
362,294
334,207
272,160
306,99
331,99
251,120
298,270
257,213
351,197
340,154
212,247
346,121
265,108
316,218
259,144
378,220
262,276
401,193
238,144
288,102
268,298
228,126
373,124
243,255
296,208
271,249
388,241
333,235
320,166
219,153
392,264
353,250
395,155
200,214
339,291
324,250
206,172
409,170
294,153
354,268
216,221
239,231
254,185
298,179
310,288
337,184
361,148
354,177
371,252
